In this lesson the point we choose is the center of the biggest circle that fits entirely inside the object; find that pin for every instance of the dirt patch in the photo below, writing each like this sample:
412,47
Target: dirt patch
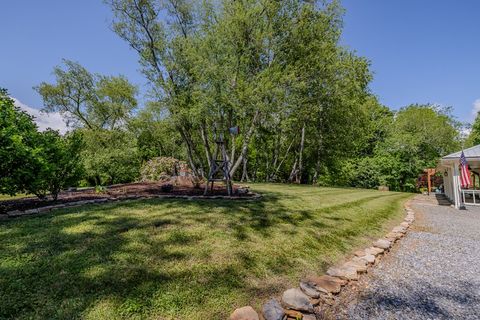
140,189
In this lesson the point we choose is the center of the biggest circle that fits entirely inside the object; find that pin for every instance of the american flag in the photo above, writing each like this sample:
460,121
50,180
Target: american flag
465,177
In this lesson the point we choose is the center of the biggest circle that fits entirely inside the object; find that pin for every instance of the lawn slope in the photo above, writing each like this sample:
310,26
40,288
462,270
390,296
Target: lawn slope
180,259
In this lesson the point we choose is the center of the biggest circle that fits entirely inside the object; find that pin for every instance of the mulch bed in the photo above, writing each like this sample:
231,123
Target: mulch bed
140,189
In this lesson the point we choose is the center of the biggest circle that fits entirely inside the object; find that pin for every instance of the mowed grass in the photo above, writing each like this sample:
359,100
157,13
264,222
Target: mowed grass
180,259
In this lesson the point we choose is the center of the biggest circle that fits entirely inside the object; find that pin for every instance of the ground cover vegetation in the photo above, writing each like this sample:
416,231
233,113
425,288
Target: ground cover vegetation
177,259
275,69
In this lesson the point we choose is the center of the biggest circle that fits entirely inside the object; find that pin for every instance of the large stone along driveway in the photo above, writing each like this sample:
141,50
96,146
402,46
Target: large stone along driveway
432,273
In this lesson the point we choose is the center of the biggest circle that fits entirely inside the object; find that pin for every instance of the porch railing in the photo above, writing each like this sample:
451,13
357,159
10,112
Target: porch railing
471,197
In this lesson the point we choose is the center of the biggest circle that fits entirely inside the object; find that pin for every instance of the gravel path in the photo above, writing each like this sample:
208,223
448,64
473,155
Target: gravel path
432,273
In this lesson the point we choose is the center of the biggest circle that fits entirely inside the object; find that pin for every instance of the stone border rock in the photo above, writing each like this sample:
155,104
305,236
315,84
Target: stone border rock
302,302
18,213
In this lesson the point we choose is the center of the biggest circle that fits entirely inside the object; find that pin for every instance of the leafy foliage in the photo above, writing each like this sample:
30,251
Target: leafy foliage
473,138
275,69
159,168
266,66
60,165
88,100
19,158
416,137
110,157
31,161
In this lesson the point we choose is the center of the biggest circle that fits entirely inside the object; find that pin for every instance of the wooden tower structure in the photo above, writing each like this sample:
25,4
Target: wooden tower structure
219,167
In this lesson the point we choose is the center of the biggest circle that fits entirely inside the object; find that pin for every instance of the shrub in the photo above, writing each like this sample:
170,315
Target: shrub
18,147
31,161
60,166
100,189
110,157
159,169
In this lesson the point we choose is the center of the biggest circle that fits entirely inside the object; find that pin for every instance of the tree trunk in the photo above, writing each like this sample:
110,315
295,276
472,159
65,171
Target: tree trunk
274,175
245,171
317,167
206,145
246,141
294,171
189,152
298,177
276,154
232,152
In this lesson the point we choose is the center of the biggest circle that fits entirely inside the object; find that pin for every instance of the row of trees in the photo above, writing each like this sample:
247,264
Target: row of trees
34,162
273,68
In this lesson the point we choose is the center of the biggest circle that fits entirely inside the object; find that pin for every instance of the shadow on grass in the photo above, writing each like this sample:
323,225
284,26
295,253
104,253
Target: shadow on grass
61,265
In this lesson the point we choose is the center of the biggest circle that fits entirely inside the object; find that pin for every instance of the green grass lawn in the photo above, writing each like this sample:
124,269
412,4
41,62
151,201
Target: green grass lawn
180,259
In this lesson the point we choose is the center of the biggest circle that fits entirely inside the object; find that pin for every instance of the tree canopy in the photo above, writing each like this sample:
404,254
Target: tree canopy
31,161
473,138
275,69
88,100
266,66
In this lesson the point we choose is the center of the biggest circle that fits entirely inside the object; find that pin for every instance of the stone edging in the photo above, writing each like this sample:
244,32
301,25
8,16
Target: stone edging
299,303
19,213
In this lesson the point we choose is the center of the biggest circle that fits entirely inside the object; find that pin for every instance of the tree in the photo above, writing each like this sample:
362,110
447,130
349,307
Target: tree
19,158
110,157
474,137
417,138
156,134
34,162
267,66
88,100
60,167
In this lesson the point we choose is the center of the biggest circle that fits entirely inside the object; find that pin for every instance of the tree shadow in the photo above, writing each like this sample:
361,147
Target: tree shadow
63,264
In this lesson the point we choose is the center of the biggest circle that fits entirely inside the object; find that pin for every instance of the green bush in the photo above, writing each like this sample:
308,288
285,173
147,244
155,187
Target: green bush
110,157
34,162
159,168
18,149
60,166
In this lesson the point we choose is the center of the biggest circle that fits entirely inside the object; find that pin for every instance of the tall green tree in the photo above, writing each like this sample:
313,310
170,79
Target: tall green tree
110,157
155,134
19,158
88,100
34,162
418,137
473,138
60,165
266,66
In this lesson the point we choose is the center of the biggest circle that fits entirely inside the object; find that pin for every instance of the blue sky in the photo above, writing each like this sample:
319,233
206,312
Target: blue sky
420,51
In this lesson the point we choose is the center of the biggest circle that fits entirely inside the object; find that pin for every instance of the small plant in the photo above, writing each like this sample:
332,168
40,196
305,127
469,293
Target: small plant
100,189
168,187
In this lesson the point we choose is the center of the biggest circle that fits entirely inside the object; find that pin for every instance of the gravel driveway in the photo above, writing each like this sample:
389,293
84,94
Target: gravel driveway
432,273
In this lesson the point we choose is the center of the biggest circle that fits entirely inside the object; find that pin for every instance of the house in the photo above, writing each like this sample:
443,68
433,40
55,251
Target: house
450,166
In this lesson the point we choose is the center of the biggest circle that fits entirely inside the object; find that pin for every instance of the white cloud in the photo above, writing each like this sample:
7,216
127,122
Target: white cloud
44,120
465,132
476,107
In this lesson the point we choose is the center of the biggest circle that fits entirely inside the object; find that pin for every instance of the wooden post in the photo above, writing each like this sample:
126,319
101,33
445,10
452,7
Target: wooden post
430,172
429,182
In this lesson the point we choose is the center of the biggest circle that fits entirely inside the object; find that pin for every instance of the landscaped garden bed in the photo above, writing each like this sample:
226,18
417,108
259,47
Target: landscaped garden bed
121,191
